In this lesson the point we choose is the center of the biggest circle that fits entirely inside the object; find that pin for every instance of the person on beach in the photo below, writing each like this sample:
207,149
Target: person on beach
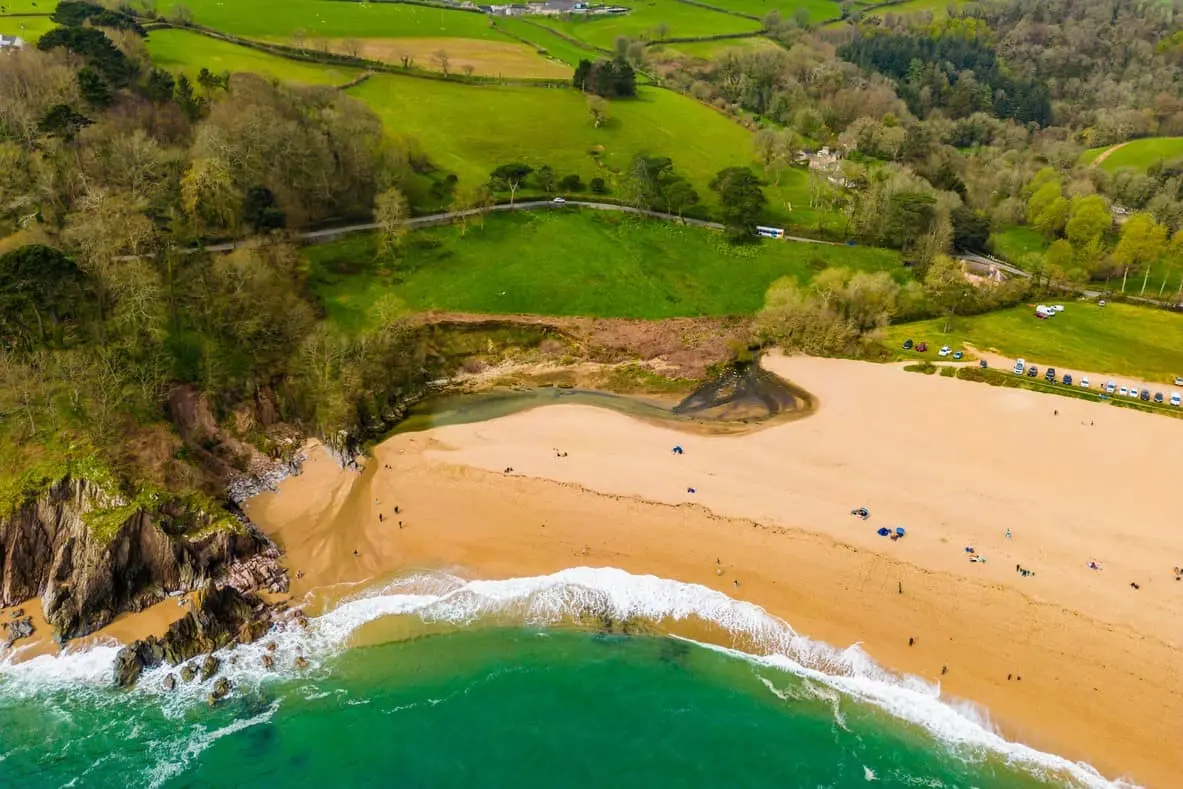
1008,534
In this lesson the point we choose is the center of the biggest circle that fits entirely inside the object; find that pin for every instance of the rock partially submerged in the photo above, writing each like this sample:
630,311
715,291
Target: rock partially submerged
221,689
219,618
16,629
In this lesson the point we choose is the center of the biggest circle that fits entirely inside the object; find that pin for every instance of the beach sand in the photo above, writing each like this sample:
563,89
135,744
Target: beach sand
956,463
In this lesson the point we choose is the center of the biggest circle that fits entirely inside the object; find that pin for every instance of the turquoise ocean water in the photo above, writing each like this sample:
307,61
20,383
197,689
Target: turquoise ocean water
501,689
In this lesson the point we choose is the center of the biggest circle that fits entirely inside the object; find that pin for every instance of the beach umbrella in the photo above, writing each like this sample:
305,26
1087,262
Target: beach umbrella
883,531
899,530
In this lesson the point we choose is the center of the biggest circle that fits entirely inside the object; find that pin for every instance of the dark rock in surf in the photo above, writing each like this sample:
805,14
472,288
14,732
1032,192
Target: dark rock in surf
170,682
209,667
189,672
268,662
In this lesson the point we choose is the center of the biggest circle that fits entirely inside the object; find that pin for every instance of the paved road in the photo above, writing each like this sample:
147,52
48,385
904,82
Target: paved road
333,233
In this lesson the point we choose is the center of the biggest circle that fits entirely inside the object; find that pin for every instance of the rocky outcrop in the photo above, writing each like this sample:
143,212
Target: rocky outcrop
15,629
219,617
90,555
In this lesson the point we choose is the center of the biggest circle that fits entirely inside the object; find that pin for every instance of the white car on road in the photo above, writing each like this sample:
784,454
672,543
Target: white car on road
1084,382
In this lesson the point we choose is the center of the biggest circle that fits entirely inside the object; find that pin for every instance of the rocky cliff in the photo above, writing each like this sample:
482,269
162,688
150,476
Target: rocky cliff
91,554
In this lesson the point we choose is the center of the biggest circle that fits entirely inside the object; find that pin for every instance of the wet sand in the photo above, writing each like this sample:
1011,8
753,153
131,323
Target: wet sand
956,463
152,621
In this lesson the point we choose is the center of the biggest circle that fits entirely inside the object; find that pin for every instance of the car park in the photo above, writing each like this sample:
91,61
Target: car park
944,351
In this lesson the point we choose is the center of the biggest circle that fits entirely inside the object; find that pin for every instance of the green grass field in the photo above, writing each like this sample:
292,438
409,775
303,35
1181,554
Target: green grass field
681,20
1121,339
819,10
30,28
470,130
544,38
572,263
278,19
27,6
1138,154
1017,242
186,52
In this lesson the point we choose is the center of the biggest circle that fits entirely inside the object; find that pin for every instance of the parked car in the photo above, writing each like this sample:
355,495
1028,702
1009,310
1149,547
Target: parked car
1176,399
1067,379
1032,371
908,345
1178,381
1020,365
1084,382
1057,308
1050,375
921,347
983,364
944,351
1101,303
1134,392
559,200
957,356
1145,395
1158,397
1124,391
1110,387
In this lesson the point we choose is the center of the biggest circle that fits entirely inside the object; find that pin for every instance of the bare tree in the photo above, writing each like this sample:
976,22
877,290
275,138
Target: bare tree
181,15
407,60
299,38
597,108
468,69
352,47
391,212
440,59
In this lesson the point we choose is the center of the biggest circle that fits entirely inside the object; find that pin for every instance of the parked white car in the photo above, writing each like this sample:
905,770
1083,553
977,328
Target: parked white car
1057,308
1084,382
1020,365
944,351
1110,387
1176,399
1178,381
1124,391
1134,392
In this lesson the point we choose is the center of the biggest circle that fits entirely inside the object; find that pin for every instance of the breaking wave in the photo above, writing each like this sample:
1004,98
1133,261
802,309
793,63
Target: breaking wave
572,596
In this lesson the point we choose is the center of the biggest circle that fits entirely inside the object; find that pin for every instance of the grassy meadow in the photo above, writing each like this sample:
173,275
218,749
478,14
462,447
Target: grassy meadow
570,263
819,10
277,20
185,52
30,28
1138,154
470,130
27,6
546,39
1015,243
680,19
708,50
1121,339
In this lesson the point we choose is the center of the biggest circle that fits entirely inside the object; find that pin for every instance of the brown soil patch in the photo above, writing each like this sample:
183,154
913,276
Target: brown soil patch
486,58
683,347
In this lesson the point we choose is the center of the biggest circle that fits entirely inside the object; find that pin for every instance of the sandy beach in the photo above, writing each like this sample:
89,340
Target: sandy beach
954,462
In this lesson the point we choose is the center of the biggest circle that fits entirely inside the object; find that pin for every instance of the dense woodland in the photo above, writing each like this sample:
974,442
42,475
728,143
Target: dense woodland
112,171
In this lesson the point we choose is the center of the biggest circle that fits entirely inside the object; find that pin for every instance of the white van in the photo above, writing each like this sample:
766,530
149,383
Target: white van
1020,365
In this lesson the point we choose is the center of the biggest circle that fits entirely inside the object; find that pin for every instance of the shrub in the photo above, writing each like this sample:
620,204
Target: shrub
599,186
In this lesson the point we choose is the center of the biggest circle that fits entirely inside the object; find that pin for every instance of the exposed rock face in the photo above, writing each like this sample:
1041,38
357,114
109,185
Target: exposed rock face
219,618
86,577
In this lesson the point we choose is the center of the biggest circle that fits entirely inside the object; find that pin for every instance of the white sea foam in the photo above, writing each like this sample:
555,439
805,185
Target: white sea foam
756,636
196,743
